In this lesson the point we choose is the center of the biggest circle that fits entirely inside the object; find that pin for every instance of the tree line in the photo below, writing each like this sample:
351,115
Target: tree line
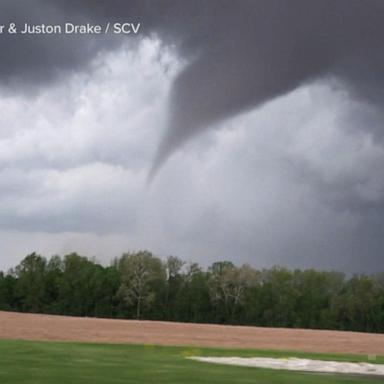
143,286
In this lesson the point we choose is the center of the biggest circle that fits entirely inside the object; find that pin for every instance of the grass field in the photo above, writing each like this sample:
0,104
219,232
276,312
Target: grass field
76,363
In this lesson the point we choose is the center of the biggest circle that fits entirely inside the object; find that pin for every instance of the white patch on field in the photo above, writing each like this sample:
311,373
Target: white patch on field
295,364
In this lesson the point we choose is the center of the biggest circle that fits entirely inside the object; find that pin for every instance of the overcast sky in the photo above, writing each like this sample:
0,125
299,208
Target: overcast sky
248,131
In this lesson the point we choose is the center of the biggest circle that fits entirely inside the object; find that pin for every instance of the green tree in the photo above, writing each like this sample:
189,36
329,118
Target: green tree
53,281
30,286
315,291
139,274
193,299
228,285
79,287
8,301
278,298
174,285
359,307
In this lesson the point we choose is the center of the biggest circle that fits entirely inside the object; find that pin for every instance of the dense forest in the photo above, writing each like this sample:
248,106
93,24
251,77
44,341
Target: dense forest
140,285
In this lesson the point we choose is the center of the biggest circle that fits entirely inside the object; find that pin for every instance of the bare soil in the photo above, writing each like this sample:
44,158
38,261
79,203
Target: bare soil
65,328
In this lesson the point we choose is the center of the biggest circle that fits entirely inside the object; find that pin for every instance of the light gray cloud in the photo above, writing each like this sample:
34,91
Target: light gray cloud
264,189
285,185
289,171
69,162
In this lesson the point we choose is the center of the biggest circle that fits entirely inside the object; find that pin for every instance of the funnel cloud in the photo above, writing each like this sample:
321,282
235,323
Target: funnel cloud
253,52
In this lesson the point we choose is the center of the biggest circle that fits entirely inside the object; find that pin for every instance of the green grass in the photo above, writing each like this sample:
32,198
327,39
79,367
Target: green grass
74,363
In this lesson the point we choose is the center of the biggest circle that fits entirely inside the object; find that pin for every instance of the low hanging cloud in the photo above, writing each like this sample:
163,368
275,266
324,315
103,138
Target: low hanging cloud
283,101
79,143
241,55
238,55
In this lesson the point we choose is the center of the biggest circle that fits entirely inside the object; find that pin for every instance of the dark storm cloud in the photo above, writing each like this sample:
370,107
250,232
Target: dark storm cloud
237,55
242,54
35,60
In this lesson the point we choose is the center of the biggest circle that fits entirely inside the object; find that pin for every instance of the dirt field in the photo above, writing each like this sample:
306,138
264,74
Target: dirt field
63,328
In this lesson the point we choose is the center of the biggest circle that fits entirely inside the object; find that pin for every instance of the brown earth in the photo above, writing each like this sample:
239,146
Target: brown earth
65,328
